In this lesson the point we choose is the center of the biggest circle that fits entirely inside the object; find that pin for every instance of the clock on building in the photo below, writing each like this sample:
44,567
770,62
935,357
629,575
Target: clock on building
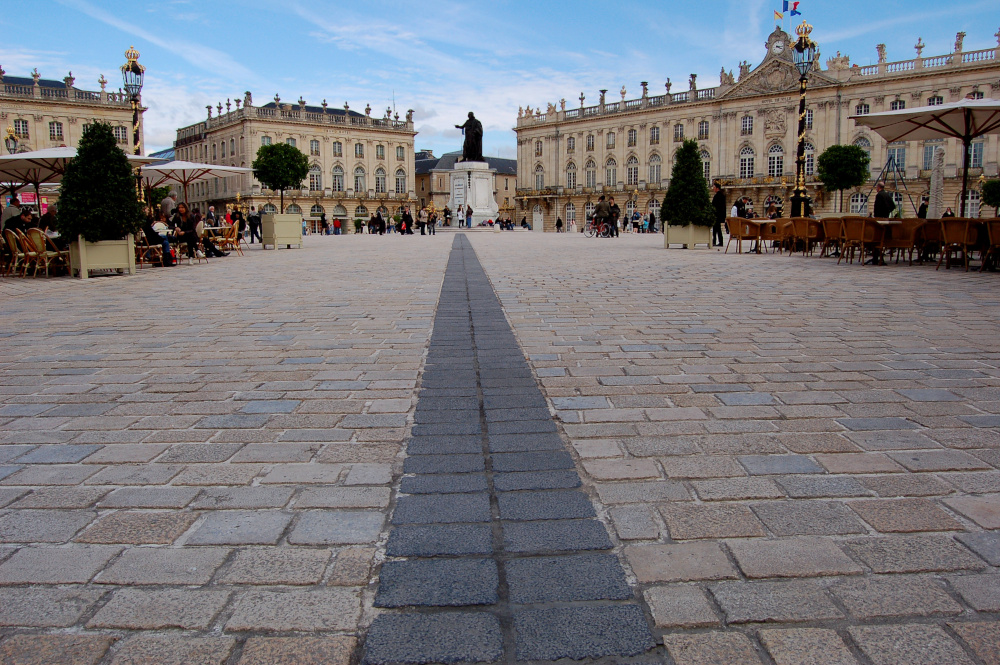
778,47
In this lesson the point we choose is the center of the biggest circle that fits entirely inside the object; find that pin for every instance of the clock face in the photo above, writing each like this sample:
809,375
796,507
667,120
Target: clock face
778,47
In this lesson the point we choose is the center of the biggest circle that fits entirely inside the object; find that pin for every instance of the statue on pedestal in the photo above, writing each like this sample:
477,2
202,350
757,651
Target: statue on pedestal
472,149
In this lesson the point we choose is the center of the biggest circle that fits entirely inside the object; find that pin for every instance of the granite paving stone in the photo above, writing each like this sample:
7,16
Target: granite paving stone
679,563
908,644
438,583
328,650
549,505
228,498
240,527
985,544
46,606
264,566
454,637
330,609
57,454
56,565
983,510
913,554
807,517
438,539
580,632
680,606
566,579
982,637
173,649
792,557
894,596
336,527
54,649
786,601
56,497
711,648
806,646
693,521
981,592
43,526
904,515
760,465
191,609
148,565
149,497
443,508
135,528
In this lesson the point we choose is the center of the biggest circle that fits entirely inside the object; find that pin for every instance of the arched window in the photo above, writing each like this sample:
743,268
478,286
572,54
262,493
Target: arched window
588,210
361,211
706,163
571,175
591,171
654,208
632,171
359,178
338,179
654,169
746,162
539,177
293,209
317,210
538,148
400,181
610,172
775,161
340,211
810,155
315,178
864,144
269,209
570,213
859,204
380,180
632,138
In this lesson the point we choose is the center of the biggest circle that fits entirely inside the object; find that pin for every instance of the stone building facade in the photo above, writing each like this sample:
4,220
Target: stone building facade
434,179
358,163
46,113
746,128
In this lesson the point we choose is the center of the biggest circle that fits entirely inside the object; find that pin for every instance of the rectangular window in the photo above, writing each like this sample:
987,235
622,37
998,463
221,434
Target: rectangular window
611,140
654,136
707,166
215,152
976,155
265,140
55,131
590,140
380,182
359,149
654,173
21,129
338,149
976,94
632,138
897,153
810,163
570,144
897,105
571,178
315,181
314,148
290,141
591,177
809,119
400,182
775,165
610,175
678,132
929,155
400,153
121,134
380,152
936,100
703,130
223,149
746,166
862,109
746,125
337,183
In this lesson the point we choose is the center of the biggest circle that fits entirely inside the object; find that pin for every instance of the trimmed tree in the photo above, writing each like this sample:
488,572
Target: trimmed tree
280,166
97,196
686,201
991,195
843,167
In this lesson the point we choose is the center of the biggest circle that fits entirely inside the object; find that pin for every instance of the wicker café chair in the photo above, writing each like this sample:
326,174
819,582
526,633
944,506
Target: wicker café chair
903,237
46,253
958,237
862,234
146,252
993,241
804,232
28,251
833,235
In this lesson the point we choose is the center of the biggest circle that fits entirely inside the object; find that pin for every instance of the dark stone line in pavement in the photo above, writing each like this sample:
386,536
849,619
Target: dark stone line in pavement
489,514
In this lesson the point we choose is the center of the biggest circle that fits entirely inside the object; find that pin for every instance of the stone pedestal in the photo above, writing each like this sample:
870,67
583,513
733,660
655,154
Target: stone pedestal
472,185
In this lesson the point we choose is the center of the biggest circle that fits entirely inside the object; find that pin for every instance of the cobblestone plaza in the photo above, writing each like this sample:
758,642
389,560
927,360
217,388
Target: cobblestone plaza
498,448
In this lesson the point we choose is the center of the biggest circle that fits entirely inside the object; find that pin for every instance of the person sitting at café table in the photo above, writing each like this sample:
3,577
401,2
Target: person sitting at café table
948,212
153,237
22,222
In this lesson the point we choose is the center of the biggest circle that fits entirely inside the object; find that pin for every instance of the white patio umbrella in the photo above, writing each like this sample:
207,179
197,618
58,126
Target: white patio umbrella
184,173
965,120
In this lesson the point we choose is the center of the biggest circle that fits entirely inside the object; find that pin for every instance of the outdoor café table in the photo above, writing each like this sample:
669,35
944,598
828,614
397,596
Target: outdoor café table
886,225
752,230
212,231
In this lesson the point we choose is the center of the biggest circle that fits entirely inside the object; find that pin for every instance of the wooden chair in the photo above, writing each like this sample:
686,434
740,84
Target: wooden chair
993,241
736,229
928,240
144,250
806,231
46,252
958,236
773,230
833,234
861,233
28,251
903,237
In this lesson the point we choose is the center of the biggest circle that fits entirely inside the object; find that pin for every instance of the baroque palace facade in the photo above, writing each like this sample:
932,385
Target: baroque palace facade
45,113
747,129
358,163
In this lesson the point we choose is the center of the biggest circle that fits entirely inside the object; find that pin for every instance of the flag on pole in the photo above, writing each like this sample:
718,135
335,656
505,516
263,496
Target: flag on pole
778,15
794,8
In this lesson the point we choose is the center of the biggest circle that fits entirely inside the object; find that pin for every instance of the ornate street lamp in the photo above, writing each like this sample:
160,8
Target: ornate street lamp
803,55
132,73
11,141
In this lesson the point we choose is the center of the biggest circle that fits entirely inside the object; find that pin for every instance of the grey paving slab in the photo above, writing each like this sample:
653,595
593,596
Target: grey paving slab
439,539
240,527
581,632
449,637
437,583
532,461
512,443
551,505
443,483
57,454
442,508
536,480
566,579
444,445
555,535
337,527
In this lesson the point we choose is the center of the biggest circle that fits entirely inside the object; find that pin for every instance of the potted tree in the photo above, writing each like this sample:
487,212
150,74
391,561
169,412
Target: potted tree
98,208
841,167
280,166
687,211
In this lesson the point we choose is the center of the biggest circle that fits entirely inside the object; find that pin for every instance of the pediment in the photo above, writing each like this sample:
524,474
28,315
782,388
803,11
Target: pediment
773,76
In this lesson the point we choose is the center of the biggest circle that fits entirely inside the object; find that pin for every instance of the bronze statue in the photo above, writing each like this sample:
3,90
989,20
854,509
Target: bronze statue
472,149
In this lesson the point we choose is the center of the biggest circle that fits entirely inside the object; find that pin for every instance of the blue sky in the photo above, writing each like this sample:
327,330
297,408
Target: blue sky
443,58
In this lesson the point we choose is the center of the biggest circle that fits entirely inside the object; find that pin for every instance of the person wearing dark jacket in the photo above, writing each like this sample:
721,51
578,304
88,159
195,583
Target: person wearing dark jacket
922,211
884,205
616,214
255,224
719,206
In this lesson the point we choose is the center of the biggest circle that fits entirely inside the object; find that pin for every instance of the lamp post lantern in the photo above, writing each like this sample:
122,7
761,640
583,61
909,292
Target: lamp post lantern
132,74
11,141
803,55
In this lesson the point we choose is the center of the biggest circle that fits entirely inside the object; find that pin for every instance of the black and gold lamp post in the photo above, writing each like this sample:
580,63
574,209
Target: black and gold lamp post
803,55
132,73
11,141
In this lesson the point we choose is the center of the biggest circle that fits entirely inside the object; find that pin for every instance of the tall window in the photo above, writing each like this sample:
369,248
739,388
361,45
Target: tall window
591,171
570,144
380,180
232,147
610,172
810,156
337,183
897,152
315,179
632,138
588,210
859,204
611,140
314,148
972,204
976,155
359,149
929,148
571,175
862,109
55,131
265,140
380,152
290,141
654,136
539,177
21,129
746,162
809,118
570,213
706,163
590,141
935,100
775,161
538,148
222,147
400,181
338,149
864,144
746,125
359,179
654,169
703,130
400,153
121,134
632,171
678,132
897,105
316,210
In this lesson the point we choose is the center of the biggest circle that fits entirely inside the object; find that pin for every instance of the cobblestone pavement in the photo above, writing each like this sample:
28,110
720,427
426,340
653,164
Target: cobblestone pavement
794,461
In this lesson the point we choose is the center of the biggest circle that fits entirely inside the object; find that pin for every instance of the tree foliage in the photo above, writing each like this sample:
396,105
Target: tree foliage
686,201
842,167
97,197
991,194
280,166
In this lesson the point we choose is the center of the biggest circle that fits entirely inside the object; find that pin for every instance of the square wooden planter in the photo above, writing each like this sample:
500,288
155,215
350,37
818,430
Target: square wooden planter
104,255
688,236
281,230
